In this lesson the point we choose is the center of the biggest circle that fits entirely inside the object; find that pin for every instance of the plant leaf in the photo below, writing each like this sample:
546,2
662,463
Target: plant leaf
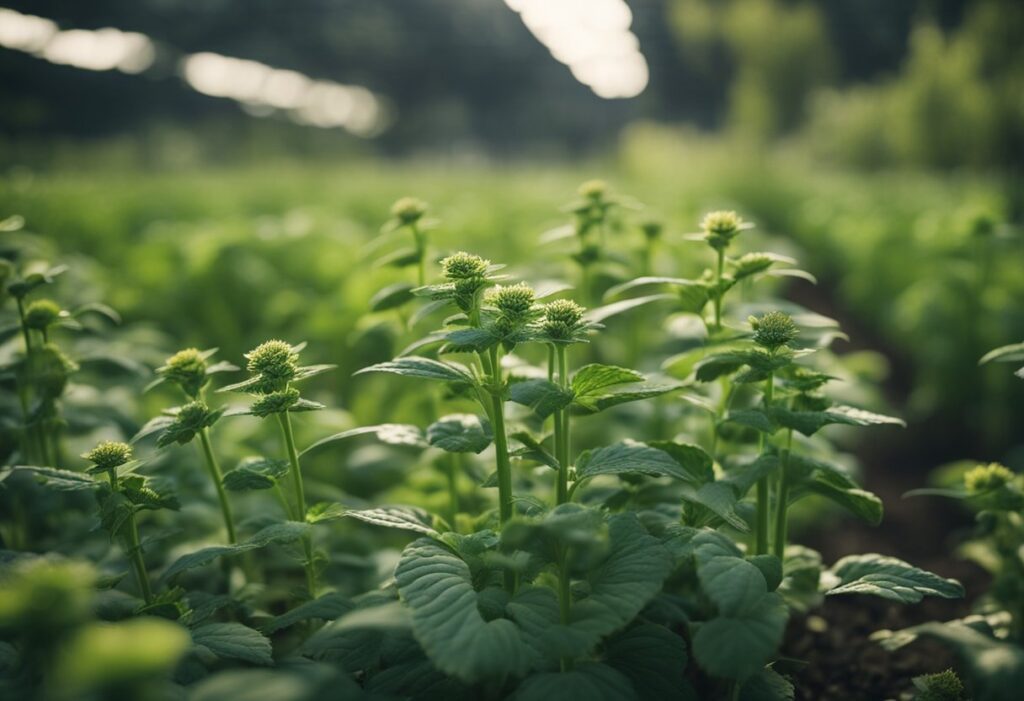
654,659
234,641
587,680
427,368
407,518
438,588
278,533
542,396
327,607
629,456
888,578
255,473
392,434
54,478
460,433
590,379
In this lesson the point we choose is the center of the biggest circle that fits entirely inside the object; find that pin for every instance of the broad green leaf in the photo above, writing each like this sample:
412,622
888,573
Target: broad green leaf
278,533
599,401
767,685
392,434
726,363
654,659
325,511
599,314
691,458
255,473
628,578
327,607
1013,353
748,627
770,568
859,502
234,641
592,681
407,518
737,647
460,433
426,368
810,422
755,418
720,499
54,478
629,456
438,588
542,396
471,340
591,379
888,578
391,297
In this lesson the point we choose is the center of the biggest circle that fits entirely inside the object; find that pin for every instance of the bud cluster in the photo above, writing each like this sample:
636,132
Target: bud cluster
721,227
275,363
773,330
563,318
109,455
187,369
985,478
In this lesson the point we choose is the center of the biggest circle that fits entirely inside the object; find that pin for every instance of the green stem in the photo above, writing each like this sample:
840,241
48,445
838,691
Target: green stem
134,549
135,553
503,463
421,253
215,475
562,431
718,289
763,508
300,499
783,497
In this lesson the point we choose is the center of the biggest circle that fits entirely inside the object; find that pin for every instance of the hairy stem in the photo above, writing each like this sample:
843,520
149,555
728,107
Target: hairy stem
782,506
562,431
763,508
133,548
300,499
718,289
503,463
215,475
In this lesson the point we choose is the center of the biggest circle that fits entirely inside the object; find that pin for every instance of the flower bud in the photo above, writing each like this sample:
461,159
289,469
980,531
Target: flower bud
942,686
275,402
773,330
408,210
985,478
275,362
515,302
109,455
593,190
651,230
193,416
464,266
721,227
187,369
42,314
562,318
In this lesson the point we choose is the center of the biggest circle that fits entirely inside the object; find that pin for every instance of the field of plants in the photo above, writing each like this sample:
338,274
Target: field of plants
705,428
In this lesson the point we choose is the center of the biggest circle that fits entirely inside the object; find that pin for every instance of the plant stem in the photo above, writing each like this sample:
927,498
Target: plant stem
782,498
718,289
215,475
300,498
562,431
134,549
135,554
763,519
503,463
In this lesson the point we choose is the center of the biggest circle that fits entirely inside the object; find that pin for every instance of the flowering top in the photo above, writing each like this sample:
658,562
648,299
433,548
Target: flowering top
722,227
275,402
187,369
593,189
651,230
773,330
464,266
275,362
514,302
41,314
408,210
984,478
562,319
109,455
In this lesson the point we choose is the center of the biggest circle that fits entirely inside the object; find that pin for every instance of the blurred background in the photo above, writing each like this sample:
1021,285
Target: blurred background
216,170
